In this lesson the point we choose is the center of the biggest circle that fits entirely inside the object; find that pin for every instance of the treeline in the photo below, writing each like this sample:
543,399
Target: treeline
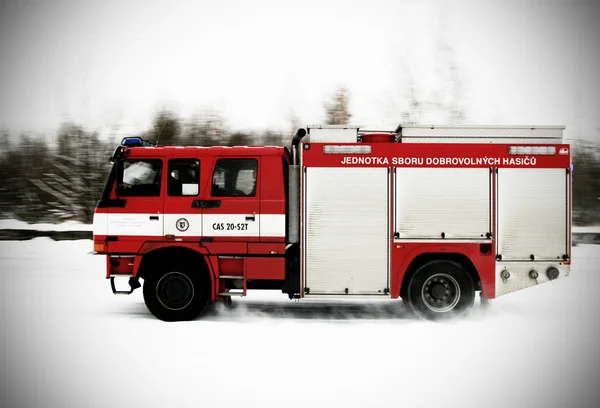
61,178
56,183
206,129
586,183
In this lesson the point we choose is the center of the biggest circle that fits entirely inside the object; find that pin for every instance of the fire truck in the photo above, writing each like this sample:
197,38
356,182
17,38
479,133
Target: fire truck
431,215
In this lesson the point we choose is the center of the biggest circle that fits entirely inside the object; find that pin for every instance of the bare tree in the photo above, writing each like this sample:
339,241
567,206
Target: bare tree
28,160
411,99
72,177
449,95
204,129
337,110
586,183
165,128
270,138
239,139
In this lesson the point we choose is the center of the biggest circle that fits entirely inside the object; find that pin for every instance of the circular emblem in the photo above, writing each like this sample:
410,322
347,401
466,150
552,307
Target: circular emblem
182,224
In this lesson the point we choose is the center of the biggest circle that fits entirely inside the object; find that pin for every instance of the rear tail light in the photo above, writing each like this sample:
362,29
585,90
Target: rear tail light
99,247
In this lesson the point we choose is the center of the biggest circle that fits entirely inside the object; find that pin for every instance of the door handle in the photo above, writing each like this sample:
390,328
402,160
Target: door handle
251,217
206,203
154,218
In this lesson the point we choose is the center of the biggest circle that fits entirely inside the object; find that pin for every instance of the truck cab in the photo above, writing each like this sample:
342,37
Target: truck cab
172,204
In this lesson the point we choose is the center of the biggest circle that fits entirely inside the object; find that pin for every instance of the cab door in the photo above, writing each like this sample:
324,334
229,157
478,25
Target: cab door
135,215
231,206
182,219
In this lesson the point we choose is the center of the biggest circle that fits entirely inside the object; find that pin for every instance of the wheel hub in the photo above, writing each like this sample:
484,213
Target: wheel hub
175,291
440,292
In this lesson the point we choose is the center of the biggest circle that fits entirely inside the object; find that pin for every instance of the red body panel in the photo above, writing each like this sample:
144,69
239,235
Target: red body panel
435,155
266,248
404,253
270,197
231,266
268,268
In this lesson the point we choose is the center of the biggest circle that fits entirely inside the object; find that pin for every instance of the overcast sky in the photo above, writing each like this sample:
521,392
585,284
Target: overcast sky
111,64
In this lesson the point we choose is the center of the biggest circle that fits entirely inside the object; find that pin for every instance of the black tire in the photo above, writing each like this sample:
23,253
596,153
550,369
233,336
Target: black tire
176,293
440,290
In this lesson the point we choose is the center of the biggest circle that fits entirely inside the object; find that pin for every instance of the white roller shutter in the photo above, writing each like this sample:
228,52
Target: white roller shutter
346,230
454,202
532,213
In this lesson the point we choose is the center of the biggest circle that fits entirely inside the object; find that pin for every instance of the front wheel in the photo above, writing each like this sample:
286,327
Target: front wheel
440,290
175,293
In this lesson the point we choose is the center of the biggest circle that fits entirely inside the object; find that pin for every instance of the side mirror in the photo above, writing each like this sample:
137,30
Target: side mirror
116,154
119,178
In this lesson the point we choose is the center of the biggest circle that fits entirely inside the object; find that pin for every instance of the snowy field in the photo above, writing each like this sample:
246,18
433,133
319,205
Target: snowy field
65,226
67,341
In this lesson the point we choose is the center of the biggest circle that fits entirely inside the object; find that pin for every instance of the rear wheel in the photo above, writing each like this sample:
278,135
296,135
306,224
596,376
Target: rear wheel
176,293
440,290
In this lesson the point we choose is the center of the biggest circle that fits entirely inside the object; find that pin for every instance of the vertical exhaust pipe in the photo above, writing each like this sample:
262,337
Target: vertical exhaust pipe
293,215
300,133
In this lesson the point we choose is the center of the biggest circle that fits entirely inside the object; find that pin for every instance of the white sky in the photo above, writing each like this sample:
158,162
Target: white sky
109,65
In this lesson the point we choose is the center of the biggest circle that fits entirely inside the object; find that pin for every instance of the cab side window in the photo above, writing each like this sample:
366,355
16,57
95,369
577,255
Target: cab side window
140,178
184,177
234,178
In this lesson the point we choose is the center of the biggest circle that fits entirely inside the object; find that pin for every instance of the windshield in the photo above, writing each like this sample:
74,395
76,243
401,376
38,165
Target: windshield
139,172
140,178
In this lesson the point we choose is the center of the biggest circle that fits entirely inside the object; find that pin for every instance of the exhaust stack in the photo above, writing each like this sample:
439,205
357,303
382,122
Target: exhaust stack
300,133
293,219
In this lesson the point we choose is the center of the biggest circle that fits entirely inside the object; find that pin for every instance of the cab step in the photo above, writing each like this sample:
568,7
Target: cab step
238,292
134,283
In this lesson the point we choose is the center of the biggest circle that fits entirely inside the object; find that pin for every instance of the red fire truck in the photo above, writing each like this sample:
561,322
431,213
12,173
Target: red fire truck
428,214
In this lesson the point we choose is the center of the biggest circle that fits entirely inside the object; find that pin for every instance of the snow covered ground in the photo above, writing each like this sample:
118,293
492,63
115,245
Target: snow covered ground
65,226
67,341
